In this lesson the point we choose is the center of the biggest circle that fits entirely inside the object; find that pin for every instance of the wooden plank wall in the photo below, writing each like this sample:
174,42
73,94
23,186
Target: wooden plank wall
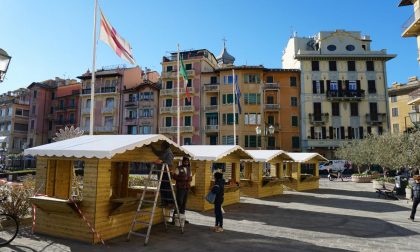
41,175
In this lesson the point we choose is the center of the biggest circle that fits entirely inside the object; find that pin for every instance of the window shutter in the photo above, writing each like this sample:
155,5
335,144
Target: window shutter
340,85
343,133
312,133
322,86
369,130
361,132
350,135
331,132
324,133
328,85
314,87
347,84
358,85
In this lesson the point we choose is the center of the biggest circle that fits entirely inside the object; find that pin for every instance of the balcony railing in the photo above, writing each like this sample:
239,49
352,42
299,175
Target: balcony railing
170,92
173,129
173,74
186,108
166,109
108,110
100,90
324,143
377,118
131,103
187,129
271,86
411,20
211,87
272,106
211,108
85,110
318,118
345,94
106,129
212,128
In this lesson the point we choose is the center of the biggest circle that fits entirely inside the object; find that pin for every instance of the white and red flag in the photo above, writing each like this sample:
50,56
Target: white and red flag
110,36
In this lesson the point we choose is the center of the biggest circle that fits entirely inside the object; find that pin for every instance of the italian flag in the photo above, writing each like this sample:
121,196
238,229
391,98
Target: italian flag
184,74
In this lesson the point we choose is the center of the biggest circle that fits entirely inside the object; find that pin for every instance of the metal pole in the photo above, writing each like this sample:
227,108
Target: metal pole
234,109
92,85
178,111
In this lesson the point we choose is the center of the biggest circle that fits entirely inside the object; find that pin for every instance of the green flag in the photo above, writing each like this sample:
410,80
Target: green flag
184,74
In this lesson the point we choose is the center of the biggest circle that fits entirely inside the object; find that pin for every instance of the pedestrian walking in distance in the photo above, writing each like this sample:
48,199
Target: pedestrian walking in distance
416,197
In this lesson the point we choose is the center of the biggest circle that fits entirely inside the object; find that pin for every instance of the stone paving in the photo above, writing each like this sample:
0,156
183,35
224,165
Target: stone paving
340,216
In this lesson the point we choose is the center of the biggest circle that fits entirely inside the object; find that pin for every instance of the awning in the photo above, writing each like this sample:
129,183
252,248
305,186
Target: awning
3,139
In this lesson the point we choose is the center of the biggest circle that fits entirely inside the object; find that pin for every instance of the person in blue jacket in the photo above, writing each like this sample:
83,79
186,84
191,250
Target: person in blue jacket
416,197
219,190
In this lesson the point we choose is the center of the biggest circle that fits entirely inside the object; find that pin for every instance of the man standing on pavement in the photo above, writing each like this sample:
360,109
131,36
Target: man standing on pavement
182,176
416,197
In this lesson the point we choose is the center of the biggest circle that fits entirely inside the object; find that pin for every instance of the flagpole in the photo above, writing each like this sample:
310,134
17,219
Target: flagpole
234,109
92,84
178,109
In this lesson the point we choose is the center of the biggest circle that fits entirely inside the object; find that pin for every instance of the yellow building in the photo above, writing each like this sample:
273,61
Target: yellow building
411,27
399,96
343,88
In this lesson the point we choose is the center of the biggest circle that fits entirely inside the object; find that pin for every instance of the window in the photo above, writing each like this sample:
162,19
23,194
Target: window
370,66
227,79
295,142
132,114
228,119
331,47
354,109
52,95
18,112
187,121
335,107
35,93
187,102
71,118
213,80
187,141
169,85
228,140
24,127
293,101
315,65
352,85
88,103
293,81
168,103
252,98
168,121
252,78
188,66
332,65
189,83
109,102
169,68
395,128
350,47
213,140
351,65
336,133
87,122
270,99
32,124
252,141
394,112
270,120
252,118
394,98
269,79
294,121
371,87
145,130
318,87
131,129
109,121
227,99
213,100
333,86
212,119
33,110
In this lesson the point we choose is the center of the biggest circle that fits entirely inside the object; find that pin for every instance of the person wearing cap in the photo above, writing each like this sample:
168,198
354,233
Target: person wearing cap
219,190
183,177
416,197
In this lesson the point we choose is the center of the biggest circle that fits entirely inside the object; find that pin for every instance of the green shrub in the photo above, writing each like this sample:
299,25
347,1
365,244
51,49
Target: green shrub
16,197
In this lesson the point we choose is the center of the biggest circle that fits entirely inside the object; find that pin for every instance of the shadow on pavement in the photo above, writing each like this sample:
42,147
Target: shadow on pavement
195,238
315,221
360,194
371,206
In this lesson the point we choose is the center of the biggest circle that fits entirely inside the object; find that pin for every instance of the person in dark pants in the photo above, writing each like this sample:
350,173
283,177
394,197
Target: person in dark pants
165,155
182,176
219,190
416,197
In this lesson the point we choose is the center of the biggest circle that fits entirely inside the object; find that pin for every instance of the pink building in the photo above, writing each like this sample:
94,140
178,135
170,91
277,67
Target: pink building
65,106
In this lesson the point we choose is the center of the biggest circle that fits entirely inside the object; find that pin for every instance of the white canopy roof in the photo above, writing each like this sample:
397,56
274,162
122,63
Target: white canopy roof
214,152
266,155
302,157
2,139
98,146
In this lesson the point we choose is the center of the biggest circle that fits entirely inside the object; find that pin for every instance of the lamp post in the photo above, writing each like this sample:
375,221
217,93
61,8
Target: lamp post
268,131
4,63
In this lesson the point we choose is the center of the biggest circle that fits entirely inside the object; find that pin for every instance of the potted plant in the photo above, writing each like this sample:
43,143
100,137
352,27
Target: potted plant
409,191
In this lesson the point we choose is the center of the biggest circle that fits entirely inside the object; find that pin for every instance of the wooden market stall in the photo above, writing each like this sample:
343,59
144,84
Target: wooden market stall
302,172
206,159
263,175
107,203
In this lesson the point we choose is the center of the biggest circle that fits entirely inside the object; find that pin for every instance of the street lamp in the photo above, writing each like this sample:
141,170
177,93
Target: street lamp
4,63
268,131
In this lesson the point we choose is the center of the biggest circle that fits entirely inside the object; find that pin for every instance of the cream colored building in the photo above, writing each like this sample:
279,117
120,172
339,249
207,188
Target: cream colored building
411,27
343,88
399,96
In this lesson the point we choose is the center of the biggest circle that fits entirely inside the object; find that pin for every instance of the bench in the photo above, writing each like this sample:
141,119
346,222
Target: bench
387,191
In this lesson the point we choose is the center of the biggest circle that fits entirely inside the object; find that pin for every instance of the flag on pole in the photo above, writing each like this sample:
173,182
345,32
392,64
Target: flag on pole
109,35
184,74
237,94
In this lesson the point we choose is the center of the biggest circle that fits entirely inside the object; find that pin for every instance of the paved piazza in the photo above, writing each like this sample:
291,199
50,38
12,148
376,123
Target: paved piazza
341,216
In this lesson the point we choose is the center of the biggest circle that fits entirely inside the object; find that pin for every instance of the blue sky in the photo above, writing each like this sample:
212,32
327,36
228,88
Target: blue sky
52,38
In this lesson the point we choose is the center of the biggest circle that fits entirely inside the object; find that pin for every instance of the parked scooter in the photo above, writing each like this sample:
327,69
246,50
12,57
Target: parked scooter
335,175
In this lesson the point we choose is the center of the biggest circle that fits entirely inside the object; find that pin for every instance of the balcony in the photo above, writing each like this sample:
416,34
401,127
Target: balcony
171,129
173,74
212,128
166,109
130,120
85,110
211,87
271,106
168,92
211,108
86,91
186,109
318,118
130,103
375,119
70,107
107,90
188,129
411,27
108,110
350,95
273,86
324,143
106,129
59,109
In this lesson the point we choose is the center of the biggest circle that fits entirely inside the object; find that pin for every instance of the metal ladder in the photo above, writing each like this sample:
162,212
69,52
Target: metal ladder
150,213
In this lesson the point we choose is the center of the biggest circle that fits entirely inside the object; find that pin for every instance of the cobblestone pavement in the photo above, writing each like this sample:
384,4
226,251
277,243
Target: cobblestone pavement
340,216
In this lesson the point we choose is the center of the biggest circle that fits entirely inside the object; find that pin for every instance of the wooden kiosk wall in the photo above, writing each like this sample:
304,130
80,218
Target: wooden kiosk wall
296,182
96,204
257,188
